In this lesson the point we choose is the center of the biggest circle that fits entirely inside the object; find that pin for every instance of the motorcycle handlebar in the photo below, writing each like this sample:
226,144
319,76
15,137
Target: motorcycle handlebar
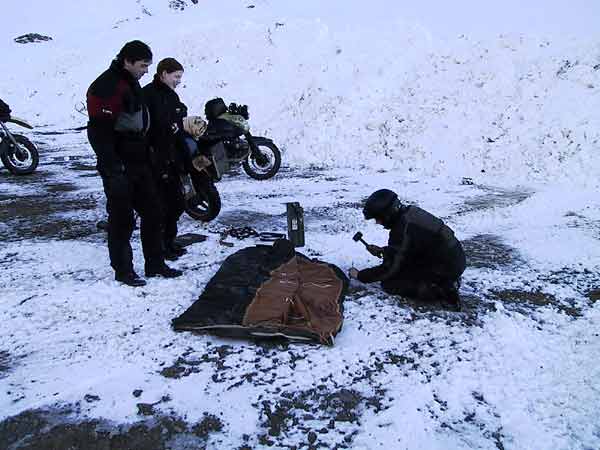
19,122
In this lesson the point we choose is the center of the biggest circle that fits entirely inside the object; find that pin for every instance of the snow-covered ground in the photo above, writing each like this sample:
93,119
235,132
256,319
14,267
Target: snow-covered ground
358,98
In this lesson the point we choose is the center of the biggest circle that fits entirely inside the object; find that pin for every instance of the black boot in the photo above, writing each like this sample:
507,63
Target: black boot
163,271
130,279
430,292
178,248
170,255
173,251
452,296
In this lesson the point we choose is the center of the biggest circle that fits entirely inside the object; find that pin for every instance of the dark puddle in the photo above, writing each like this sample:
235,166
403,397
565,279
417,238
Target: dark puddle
60,429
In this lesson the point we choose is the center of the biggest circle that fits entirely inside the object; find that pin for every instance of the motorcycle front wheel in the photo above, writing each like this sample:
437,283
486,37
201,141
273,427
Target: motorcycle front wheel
264,165
205,204
23,159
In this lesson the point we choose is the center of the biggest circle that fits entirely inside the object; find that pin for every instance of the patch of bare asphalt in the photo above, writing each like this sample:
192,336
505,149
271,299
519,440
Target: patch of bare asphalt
492,198
4,363
304,173
59,428
38,178
593,295
42,217
315,413
489,252
84,167
61,187
525,301
260,221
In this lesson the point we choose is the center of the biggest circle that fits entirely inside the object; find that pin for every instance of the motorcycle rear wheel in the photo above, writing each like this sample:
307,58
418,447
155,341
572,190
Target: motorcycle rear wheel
205,204
267,167
22,160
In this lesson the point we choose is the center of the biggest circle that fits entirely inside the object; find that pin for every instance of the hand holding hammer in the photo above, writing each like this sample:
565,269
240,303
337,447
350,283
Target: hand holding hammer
372,249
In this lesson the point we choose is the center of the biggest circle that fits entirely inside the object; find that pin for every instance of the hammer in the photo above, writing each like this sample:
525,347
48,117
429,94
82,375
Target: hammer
358,237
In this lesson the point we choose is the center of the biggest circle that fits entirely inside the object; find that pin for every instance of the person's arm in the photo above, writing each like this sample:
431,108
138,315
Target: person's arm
104,104
394,259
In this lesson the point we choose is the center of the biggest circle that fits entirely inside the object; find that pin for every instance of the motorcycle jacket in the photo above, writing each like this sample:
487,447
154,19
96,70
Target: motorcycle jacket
118,118
166,125
417,239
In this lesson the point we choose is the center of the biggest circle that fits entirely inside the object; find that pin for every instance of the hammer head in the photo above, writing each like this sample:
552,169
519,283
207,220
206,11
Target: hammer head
357,237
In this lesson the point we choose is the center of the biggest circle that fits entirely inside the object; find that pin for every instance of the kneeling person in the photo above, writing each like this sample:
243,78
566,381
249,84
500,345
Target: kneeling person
423,259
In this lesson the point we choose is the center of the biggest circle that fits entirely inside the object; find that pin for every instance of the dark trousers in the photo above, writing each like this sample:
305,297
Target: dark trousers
416,282
135,189
172,205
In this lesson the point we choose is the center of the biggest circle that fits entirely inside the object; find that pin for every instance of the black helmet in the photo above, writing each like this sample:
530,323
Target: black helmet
214,108
382,204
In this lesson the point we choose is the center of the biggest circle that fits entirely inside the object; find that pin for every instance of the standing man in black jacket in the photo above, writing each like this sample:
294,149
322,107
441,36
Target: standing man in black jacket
165,138
423,258
118,122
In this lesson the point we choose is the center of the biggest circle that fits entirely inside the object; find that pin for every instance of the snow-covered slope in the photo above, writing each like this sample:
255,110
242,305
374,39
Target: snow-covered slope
346,84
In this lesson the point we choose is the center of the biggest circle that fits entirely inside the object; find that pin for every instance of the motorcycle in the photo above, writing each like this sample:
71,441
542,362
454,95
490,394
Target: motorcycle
259,156
18,154
223,142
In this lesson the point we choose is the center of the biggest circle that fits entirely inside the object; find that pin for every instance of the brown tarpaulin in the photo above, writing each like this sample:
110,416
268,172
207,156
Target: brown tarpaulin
301,295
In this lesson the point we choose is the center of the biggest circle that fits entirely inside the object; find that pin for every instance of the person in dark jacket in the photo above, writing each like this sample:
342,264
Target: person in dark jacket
165,138
4,111
423,258
118,122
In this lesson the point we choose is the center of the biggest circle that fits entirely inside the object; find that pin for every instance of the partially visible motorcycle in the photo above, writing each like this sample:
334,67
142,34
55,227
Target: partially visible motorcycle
204,163
18,154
